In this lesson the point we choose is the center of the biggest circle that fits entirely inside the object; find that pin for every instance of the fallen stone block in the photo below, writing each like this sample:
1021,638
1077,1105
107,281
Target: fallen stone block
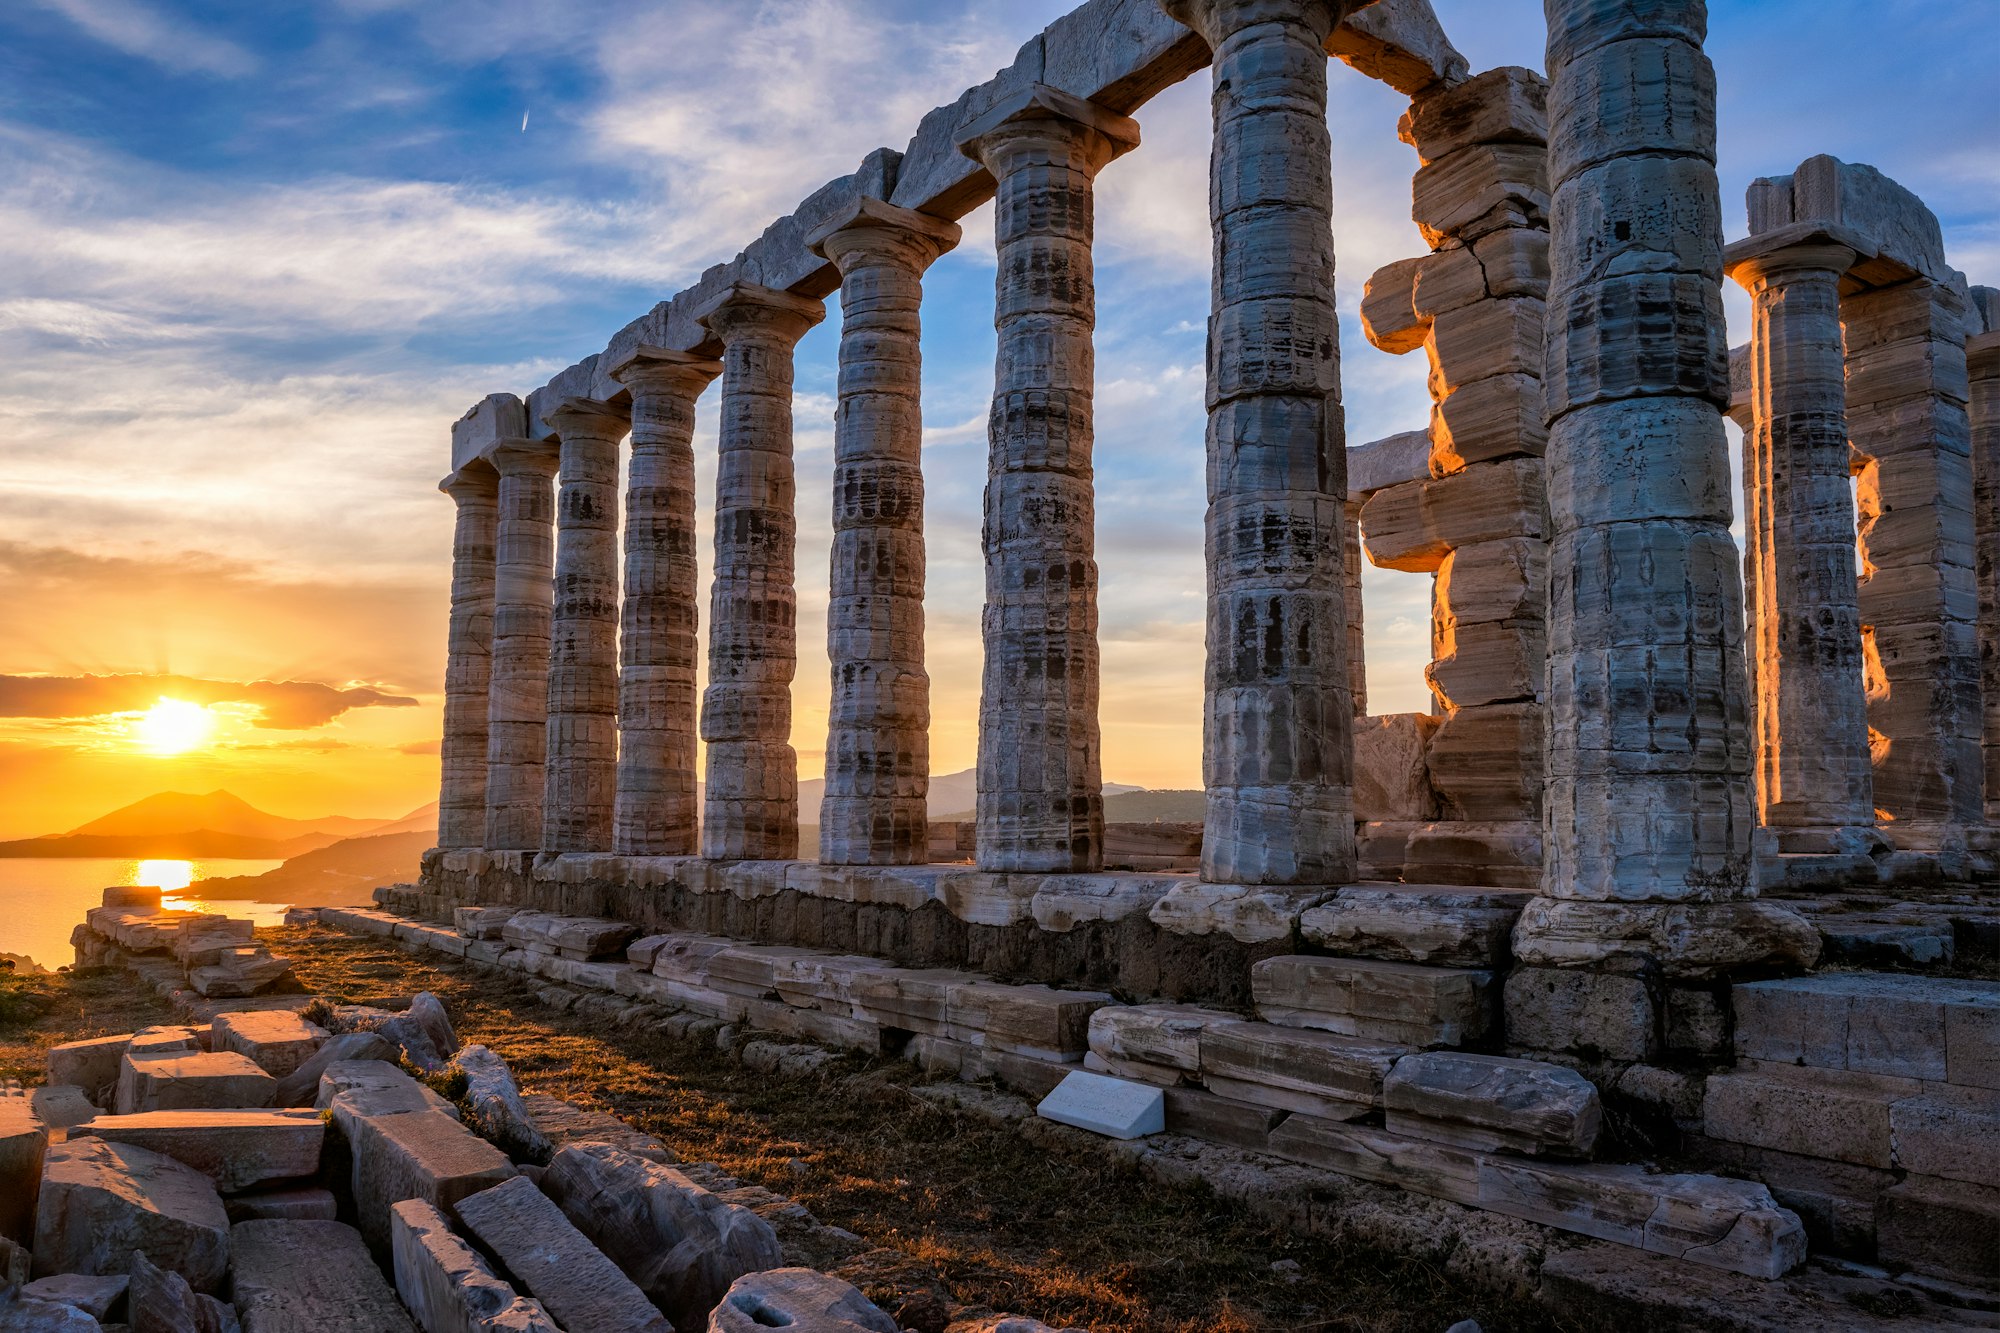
353,1089
571,1277
305,1203
159,1300
301,1086
15,1263
496,1104
424,1155
1114,1107
482,923
167,1039
101,1202
679,1242
1439,926
91,1064
275,1041
96,1295
1295,1069
196,1080
1491,1102
800,1299
201,940
1375,999
22,1313
24,1142
309,1277
563,1124
427,1012
239,972
235,1149
445,1283
62,1106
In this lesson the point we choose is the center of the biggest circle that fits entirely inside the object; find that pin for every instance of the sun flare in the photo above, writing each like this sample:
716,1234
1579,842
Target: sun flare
174,726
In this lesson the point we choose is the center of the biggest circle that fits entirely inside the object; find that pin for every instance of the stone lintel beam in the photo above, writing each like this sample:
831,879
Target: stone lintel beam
517,693
750,807
656,811
581,778
874,811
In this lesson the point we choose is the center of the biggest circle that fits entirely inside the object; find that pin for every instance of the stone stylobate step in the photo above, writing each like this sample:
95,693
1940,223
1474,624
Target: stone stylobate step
657,811
1040,800
874,811
750,806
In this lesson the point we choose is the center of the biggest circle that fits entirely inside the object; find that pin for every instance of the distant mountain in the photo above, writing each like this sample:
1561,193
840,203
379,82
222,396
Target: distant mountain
338,875
417,821
218,825
1140,806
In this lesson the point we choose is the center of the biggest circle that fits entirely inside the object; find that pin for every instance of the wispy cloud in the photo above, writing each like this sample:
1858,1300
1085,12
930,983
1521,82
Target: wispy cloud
139,30
289,705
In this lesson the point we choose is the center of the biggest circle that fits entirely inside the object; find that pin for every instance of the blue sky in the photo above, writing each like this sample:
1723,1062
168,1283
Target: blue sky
254,258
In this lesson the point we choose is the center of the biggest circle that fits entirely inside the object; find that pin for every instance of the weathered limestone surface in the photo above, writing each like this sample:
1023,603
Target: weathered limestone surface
190,1081
235,1149
469,656
1808,706
878,732
680,1243
1383,1001
274,1040
1438,926
91,1064
24,1141
656,811
1982,359
1490,1102
797,1298
523,603
416,1154
309,1277
94,1295
1040,799
1278,707
1649,746
750,808
102,1201
571,1277
580,782
159,1300
496,1105
1293,1069
445,1283
301,1086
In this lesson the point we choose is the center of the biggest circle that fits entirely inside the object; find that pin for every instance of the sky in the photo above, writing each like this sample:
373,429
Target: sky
255,258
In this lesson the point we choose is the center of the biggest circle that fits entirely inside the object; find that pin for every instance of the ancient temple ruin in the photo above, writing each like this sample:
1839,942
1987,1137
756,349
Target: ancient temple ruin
1662,780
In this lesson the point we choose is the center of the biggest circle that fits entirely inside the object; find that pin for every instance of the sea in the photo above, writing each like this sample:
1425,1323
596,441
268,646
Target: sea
42,899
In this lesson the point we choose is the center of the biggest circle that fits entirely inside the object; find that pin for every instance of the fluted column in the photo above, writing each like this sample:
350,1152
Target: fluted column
750,807
657,810
878,721
1277,725
1982,360
583,634
475,489
1041,798
517,693
1809,708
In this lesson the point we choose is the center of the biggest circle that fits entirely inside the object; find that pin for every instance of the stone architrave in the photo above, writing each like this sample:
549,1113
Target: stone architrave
517,690
1040,801
1648,796
475,489
1278,707
1982,359
750,807
1809,709
582,773
657,808
874,811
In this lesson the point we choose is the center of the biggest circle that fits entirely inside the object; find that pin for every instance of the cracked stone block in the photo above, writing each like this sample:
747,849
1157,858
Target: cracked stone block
101,1202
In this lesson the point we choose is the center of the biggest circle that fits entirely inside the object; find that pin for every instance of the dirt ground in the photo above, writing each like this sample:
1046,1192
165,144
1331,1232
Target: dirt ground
959,1211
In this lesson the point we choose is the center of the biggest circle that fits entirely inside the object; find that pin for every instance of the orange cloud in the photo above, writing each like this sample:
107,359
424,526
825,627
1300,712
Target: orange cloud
291,705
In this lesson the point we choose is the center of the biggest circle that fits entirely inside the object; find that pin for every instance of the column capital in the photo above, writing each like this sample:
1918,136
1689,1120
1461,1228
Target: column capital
1794,250
1217,20
522,457
588,417
1039,110
747,307
477,480
665,370
873,226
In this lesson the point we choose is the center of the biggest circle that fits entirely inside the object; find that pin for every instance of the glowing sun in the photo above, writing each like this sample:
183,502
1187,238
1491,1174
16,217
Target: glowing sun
174,726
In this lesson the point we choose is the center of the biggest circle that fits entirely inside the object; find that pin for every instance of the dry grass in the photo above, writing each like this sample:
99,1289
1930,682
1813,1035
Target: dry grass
955,1205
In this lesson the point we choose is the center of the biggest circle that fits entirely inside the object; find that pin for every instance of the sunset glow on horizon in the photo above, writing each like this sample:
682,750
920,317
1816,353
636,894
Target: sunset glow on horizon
173,726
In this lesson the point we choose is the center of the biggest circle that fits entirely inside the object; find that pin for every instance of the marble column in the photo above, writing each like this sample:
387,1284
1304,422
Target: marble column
475,489
517,694
1040,800
750,807
874,811
1350,582
1813,772
657,809
582,776
1278,708
1982,359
